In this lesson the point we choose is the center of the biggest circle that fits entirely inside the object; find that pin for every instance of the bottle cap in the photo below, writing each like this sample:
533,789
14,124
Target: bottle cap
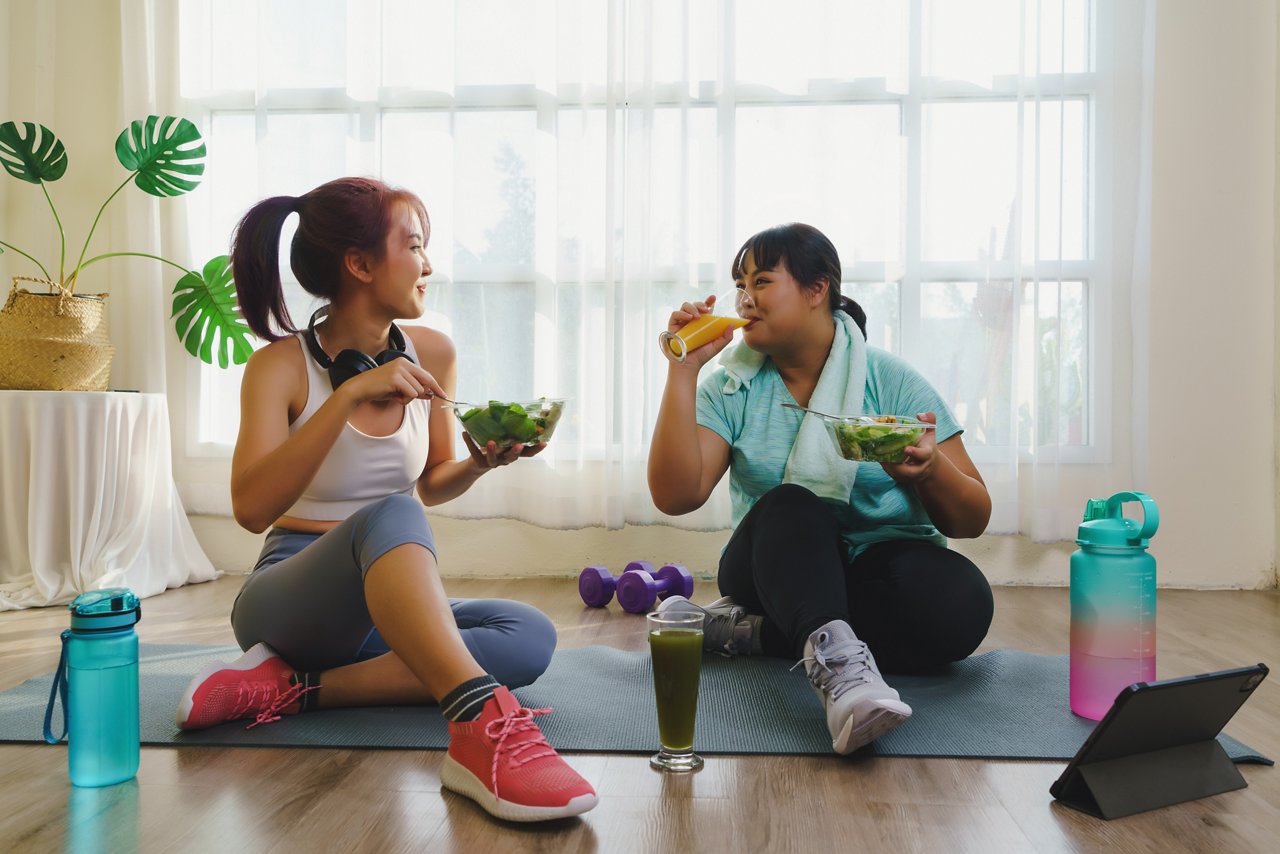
1104,524
105,610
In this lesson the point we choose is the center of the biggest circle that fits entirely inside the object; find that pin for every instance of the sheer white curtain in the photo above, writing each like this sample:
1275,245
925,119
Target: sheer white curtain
589,165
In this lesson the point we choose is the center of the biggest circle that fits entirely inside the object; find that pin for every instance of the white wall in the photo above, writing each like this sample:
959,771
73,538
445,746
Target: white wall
61,62
1213,285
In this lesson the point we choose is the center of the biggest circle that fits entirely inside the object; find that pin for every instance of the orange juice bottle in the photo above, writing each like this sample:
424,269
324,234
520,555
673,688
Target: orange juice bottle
705,329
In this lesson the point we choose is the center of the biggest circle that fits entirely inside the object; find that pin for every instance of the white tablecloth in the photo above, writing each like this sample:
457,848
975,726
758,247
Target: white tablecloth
87,498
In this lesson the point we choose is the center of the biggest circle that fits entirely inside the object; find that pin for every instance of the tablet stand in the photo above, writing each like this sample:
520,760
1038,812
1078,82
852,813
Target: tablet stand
1112,788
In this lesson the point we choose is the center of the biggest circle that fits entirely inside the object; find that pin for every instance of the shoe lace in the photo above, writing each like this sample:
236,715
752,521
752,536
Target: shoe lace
259,695
517,753
720,627
835,674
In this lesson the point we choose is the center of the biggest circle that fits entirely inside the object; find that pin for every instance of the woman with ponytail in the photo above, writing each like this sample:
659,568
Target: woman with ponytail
339,448
842,565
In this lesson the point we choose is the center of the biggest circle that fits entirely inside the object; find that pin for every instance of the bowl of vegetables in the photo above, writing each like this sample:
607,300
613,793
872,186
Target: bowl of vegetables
507,424
875,438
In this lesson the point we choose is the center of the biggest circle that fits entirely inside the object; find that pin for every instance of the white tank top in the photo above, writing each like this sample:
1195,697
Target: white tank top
360,469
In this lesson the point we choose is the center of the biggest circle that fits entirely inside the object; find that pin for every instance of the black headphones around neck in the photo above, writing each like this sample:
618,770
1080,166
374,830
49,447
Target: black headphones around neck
349,362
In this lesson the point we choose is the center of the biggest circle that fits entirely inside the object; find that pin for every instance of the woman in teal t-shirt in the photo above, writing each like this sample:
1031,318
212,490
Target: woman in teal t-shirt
842,565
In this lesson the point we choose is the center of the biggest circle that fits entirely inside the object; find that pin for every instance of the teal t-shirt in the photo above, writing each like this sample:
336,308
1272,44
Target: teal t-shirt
760,433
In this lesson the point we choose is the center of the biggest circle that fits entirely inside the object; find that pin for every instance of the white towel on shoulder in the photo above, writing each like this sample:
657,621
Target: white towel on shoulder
814,462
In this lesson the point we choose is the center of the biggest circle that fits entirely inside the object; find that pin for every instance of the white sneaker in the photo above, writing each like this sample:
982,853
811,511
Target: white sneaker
860,706
727,628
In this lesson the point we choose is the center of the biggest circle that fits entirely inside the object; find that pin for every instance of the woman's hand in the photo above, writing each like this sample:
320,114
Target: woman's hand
399,380
921,457
490,457
681,317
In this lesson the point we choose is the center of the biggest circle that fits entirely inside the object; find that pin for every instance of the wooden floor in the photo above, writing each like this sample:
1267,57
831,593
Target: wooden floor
260,799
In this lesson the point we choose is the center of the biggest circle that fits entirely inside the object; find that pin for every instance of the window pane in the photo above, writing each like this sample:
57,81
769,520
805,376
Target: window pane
969,189
494,42
308,43
493,201
1056,184
1054,400
971,39
969,180
692,54
1065,37
580,210
682,196
969,330
786,44
218,46
582,41
838,168
417,45
977,40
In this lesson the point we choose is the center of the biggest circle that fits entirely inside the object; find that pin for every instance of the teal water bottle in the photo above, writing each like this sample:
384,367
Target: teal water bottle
97,677
1113,603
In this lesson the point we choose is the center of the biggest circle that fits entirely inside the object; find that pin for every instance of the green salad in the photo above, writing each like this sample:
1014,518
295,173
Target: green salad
510,424
875,440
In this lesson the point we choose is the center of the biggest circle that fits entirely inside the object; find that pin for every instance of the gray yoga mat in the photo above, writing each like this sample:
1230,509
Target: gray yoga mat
1001,705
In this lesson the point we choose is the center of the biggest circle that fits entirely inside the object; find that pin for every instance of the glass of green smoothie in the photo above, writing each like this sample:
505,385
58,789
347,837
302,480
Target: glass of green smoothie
675,646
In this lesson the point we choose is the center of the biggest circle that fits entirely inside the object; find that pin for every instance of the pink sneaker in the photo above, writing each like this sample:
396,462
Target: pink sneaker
255,685
502,762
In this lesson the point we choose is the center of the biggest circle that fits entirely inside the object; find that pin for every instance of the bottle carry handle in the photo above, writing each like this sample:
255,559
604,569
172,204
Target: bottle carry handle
1150,514
59,686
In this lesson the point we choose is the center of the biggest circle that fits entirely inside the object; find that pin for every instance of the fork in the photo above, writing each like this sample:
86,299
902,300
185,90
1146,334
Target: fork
923,424
456,402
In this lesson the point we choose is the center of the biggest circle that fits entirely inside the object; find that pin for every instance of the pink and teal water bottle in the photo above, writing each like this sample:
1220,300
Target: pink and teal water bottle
1113,603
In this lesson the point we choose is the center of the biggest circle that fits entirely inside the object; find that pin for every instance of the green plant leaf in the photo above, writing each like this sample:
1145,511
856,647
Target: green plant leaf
154,148
35,156
208,315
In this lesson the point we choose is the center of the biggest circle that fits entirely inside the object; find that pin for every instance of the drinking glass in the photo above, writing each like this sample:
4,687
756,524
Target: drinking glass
726,311
675,646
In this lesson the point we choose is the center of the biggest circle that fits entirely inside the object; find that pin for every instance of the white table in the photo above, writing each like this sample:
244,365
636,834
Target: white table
87,498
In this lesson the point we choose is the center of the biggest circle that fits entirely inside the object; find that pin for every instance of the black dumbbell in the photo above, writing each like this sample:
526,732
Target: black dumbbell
638,586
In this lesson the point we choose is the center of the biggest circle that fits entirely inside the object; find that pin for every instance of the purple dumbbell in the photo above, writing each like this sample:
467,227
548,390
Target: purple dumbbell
639,586
596,585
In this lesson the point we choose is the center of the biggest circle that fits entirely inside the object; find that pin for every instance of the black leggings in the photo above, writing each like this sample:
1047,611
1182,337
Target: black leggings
916,604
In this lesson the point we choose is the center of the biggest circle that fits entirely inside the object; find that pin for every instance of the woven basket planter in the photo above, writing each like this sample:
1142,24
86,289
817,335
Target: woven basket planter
55,341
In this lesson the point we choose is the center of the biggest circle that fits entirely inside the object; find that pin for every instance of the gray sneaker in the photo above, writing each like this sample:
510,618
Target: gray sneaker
727,628
860,706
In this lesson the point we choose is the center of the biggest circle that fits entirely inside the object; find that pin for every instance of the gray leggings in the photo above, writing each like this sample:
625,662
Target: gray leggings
305,599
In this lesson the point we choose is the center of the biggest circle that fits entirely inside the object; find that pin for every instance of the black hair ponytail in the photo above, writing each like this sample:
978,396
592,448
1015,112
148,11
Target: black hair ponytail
255,264
851,308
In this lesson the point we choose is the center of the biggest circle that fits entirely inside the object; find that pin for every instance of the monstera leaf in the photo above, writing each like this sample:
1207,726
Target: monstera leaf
34,156
208,315
154,149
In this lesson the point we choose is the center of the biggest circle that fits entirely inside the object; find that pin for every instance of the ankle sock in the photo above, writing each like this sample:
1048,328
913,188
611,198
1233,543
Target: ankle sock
465,702
310,699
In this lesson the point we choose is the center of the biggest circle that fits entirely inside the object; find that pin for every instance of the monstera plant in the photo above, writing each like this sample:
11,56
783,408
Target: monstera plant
164,157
